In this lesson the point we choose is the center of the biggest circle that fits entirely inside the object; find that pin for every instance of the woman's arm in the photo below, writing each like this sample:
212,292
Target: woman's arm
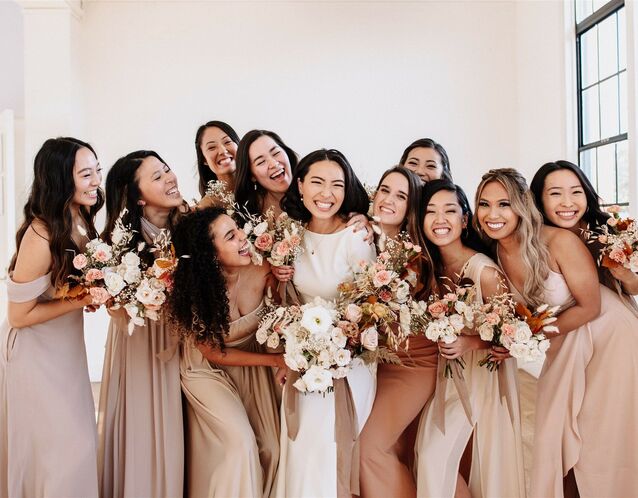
627,278
240,358
578,269
34,261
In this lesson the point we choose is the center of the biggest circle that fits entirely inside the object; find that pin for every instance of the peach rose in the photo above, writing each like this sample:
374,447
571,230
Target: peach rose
383,277
80,261
618,255
99,294
437,309
94,274
264,242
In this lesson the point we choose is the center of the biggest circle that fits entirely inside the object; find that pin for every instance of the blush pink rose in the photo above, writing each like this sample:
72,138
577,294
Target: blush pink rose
264,242
101,256
451,297
283,248
385,295
493,319
94,274
80,261
99,294
618,255
508,329
382,278
295,240
437,309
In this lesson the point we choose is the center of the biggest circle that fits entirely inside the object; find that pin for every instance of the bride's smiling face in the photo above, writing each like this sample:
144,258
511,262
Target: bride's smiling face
323,189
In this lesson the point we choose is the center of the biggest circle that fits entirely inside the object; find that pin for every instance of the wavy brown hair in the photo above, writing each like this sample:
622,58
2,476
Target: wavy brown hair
198,304
50,201
533,251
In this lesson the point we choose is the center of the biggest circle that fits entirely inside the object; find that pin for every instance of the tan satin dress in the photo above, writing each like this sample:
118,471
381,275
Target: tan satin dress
586,407
493,423
387,439
140,425
232,420
47,416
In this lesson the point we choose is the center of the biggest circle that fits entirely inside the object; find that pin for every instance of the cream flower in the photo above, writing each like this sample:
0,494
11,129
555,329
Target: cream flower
317,379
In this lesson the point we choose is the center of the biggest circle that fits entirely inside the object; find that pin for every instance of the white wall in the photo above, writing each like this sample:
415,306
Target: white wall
486,79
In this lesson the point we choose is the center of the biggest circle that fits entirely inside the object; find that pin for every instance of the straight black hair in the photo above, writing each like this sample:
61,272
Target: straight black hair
205,173
355,198
594,215
250,194
428,143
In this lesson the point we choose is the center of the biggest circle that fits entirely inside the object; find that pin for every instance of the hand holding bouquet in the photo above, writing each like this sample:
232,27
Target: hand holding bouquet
619,238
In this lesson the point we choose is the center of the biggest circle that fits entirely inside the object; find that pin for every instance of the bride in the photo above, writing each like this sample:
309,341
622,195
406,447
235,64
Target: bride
323,192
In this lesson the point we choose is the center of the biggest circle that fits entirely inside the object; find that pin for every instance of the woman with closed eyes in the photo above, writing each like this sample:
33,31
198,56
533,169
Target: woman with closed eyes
428,159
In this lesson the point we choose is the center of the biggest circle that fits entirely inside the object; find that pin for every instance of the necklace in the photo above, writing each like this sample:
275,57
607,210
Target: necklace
314,247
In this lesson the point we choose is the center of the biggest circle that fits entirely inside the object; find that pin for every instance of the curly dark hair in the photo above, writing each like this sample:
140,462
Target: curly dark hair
198,304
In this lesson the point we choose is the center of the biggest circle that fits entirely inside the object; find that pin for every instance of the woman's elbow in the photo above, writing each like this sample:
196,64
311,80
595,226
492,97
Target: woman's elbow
17,321
592,310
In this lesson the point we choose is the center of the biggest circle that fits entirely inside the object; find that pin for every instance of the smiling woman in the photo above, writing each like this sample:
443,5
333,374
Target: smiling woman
216,148
140,412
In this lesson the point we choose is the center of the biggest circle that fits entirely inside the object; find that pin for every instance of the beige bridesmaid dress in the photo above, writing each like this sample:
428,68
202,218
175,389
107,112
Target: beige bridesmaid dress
586,406
495,427
47,416
140,425
232,420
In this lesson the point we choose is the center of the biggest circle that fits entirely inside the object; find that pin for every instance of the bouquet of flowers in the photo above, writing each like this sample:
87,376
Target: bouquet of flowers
619,238
377,301
514,327
444,318
277,239
219,194
316,342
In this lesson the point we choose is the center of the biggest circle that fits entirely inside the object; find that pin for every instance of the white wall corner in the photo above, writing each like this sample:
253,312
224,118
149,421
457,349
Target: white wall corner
632,103
76,7
571,92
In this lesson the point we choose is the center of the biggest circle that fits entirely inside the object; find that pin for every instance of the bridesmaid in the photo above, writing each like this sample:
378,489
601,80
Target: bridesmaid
232,416
585,437
47,415
265,165
387,446
314,462
216,148
140,429
567,199
478,453
428,159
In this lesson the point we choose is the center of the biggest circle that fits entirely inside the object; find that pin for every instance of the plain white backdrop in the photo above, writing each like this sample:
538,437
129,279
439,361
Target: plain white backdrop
490,80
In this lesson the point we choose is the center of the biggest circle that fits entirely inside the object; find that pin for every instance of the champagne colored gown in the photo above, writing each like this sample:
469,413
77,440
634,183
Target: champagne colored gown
47,416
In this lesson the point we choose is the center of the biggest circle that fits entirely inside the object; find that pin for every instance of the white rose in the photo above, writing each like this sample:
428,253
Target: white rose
117,235
296,361
343,357
433,331
449,337
317,379
131,259
633,262
156,284
457,322
132,274
324,358
370,339
131,310
353,313
518,350
523,333
114,283
486,332
338,337
144,294
543,345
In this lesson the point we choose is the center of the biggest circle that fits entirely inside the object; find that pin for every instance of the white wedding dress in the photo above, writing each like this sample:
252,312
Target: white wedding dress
308,465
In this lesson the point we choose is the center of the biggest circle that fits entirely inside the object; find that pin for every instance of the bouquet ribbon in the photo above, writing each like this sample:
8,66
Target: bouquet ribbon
288,289
346,434
439,393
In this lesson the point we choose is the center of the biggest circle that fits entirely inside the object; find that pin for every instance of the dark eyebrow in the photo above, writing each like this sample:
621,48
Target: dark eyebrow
210,142
274,147
84,169
318,178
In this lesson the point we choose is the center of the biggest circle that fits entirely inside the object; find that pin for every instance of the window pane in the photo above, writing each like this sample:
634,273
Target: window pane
591,124
584,8
588,165
607,173
589,57
609,125
623,171
599,3
622,39
607,47
623,102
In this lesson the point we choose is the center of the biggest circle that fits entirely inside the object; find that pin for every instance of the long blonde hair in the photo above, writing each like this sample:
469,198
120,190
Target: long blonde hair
533,251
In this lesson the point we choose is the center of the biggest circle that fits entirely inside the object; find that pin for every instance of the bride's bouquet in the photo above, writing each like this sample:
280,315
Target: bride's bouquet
444,318
316,343
377,300
619,238
514,327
